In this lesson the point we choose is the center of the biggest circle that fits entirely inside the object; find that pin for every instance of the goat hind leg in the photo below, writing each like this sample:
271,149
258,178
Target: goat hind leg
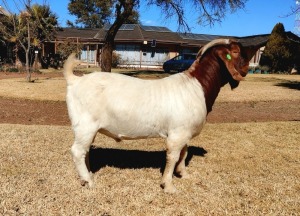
180,166
80,150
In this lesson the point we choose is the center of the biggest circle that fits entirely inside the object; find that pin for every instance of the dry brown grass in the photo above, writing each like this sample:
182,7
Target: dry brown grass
42,89
267,87
236,168
243,169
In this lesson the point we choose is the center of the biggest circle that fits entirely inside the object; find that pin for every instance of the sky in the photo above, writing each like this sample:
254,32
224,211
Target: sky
258,17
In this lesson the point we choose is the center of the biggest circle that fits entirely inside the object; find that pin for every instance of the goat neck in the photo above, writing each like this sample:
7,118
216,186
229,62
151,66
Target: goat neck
212,75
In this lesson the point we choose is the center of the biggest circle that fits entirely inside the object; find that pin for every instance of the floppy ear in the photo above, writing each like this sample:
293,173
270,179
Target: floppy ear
231,57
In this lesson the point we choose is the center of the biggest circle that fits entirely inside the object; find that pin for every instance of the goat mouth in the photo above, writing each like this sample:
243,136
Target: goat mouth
243,70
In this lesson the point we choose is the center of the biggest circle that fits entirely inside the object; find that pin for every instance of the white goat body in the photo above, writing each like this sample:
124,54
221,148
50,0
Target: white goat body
124,107
129,108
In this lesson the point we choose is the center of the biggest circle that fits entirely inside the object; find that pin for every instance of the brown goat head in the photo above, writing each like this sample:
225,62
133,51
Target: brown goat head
220,62
236,64
235,58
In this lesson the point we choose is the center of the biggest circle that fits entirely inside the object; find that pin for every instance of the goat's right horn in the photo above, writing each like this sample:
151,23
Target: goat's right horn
211,44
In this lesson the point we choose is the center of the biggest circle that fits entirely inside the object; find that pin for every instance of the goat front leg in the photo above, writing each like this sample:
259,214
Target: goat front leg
174,147
180,167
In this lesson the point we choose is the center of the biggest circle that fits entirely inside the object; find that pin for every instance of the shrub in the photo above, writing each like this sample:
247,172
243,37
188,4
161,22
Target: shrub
65,48
14,70
278,53
116,58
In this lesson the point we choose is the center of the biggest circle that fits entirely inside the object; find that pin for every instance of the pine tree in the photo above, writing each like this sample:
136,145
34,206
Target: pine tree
278,51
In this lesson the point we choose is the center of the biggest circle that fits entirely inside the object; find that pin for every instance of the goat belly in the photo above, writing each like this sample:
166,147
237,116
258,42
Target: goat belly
134,123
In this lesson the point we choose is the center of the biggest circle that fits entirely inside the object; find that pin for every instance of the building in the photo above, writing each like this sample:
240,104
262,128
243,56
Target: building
142,46
84,38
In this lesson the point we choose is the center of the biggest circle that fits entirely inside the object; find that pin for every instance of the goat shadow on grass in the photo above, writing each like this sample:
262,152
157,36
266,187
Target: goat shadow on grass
134,159
290,84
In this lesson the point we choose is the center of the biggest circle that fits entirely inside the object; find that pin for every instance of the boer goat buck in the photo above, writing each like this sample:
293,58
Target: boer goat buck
175,107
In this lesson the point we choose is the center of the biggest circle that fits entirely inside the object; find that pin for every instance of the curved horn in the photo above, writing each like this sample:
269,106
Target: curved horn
211,44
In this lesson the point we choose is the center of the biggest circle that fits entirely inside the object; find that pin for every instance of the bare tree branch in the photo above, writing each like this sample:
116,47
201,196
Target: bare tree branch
294,10
210,11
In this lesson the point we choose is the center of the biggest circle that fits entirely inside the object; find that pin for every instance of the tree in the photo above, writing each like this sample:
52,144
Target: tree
121,11
294,9
90,13
68,47
278,53
28,29
95,13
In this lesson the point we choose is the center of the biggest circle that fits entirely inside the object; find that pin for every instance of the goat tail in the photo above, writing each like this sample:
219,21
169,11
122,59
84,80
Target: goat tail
69,65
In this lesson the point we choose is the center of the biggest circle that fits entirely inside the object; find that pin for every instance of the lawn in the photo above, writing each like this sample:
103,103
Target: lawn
236,168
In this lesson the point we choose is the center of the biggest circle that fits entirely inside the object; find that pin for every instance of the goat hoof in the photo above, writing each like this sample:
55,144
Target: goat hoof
83,183
184,175
90,184
169,188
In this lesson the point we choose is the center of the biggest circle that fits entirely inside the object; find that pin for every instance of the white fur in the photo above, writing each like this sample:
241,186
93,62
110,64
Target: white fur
124,107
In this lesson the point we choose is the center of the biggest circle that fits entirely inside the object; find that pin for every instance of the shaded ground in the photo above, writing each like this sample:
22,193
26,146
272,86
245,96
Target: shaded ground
29,112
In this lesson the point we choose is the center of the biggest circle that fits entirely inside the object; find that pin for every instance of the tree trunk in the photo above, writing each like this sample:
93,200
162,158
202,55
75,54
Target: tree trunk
28,77
123,11
106,58
18,62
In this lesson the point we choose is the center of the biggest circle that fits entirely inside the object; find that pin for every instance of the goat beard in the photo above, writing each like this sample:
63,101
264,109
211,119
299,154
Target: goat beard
233,83
228,77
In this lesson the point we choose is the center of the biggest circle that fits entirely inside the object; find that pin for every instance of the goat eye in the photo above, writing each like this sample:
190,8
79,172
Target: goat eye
228,56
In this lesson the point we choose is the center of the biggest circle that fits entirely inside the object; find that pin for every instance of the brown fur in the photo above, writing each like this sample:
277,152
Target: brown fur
213,70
